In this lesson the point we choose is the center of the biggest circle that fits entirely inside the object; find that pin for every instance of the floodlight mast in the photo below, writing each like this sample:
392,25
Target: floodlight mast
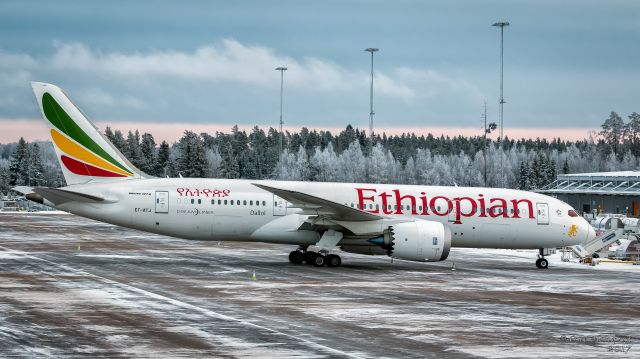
282,69
371,50
501,25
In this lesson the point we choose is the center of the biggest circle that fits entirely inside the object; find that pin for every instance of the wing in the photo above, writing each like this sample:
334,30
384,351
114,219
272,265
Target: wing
313,205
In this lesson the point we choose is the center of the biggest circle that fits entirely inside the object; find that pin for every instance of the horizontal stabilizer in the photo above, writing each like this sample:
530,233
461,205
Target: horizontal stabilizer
59,196
23,189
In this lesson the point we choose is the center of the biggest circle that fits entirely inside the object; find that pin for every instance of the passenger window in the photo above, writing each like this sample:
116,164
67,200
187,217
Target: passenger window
219,201
225,202
251,203
244,203
192,201
199,201
213,201
264,203
231,202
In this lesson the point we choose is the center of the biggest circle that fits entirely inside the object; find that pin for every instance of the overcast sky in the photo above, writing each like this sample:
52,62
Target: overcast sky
211,63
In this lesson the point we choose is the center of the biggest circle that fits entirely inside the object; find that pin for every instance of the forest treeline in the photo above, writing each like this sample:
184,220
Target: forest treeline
349,156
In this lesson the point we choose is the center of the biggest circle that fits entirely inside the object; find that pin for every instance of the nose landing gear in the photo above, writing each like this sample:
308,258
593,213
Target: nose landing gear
542,263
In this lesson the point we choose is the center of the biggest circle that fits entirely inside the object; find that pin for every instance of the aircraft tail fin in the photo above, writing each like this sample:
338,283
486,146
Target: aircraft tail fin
85,155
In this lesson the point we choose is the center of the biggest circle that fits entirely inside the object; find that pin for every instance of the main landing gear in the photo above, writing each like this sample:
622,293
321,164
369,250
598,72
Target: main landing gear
542,263
318,259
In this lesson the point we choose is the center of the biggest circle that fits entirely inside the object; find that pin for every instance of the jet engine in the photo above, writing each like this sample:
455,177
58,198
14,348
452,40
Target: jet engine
419,240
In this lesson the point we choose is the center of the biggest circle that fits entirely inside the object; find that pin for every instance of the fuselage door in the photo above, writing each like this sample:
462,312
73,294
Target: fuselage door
162,202
279,206
542,213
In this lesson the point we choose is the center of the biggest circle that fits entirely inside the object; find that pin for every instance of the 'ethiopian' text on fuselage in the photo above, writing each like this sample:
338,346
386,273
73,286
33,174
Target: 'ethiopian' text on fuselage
423,205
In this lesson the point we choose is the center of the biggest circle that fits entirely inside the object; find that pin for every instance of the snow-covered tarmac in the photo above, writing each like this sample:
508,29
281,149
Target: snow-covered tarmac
75,288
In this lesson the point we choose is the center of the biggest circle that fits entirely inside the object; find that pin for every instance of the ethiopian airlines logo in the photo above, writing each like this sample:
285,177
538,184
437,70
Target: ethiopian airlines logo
82,155
372,201
573,231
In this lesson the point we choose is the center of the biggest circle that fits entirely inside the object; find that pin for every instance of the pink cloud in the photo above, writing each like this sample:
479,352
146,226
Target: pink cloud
12,129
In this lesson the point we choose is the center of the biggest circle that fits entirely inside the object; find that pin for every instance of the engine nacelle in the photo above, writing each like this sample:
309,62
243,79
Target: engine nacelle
369,250
419,240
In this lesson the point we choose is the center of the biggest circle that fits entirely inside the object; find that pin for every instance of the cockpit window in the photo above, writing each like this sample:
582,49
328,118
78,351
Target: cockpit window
573,213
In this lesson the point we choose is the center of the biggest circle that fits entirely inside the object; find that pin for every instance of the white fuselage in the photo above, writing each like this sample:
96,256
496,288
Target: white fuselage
237,210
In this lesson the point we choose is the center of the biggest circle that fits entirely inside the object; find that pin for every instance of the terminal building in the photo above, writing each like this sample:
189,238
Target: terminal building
600,192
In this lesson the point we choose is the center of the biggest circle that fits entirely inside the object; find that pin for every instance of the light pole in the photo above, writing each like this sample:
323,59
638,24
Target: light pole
282,69
371,50
484,147
501,25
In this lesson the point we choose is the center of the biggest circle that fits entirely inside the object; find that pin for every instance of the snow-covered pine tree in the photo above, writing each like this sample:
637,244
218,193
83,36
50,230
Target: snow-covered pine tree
302,162
4,180
35,167
192,160
214,159
19,167
162,162
230,167
524,180
148,151
133,151
117,139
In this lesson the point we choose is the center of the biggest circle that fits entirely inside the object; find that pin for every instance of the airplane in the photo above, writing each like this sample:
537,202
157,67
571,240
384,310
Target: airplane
408,222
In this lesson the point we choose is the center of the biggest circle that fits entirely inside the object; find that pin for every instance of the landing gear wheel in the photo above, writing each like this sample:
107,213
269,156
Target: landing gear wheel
320,260
334,260
542,263
296,257
310,257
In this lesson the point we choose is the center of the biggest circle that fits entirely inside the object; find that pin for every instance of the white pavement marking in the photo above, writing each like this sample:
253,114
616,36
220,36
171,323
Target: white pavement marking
185,305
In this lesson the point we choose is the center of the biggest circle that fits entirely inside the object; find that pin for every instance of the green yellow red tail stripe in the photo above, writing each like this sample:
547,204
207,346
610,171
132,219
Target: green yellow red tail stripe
73,149
59,118
83,155
84,169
